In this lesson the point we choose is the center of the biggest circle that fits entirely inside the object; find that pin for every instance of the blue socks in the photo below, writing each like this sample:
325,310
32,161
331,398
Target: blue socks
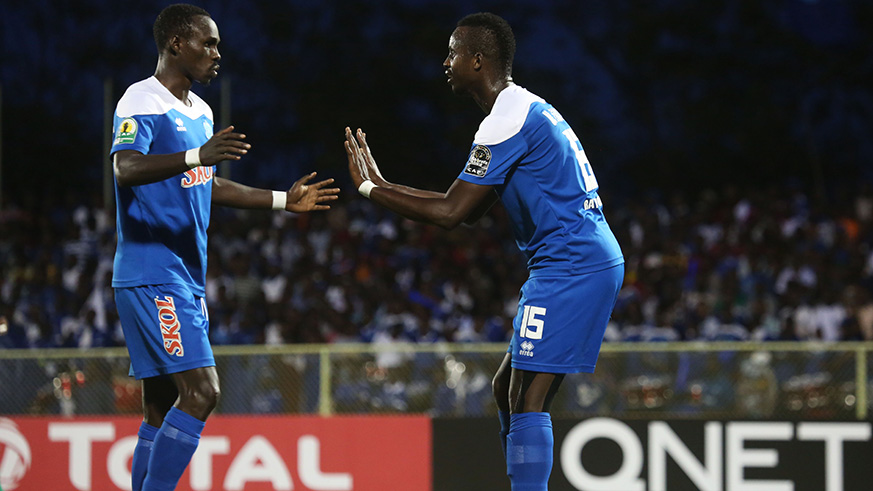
504,429
141,454
174,445
529,449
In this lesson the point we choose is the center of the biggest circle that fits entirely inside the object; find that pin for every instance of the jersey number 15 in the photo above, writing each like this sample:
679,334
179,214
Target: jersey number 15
531,327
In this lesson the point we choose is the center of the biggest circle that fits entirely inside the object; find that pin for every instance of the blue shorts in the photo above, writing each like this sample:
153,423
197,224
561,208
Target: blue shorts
561,319
166,328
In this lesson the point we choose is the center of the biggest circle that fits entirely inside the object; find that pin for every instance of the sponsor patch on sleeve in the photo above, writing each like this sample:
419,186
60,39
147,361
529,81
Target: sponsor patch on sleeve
126,131
477,164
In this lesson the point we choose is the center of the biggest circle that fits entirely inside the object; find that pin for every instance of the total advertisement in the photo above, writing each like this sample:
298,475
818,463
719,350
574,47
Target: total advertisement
236,453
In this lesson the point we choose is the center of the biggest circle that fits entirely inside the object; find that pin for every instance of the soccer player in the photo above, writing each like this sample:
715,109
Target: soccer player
164,152
525,154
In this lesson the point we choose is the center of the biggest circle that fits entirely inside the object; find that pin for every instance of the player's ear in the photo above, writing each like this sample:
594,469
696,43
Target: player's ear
477,61
174,46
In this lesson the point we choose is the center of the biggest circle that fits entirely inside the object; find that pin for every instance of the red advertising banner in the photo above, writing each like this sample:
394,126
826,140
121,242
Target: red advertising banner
236,453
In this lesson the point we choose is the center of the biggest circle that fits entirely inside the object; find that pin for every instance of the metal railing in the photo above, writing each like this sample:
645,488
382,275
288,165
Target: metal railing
716,380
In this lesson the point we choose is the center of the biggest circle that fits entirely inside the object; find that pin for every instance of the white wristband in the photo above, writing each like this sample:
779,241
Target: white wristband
280,199
366,187
192,158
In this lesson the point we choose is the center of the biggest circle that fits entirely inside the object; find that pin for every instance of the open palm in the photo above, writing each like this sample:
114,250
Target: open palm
304,197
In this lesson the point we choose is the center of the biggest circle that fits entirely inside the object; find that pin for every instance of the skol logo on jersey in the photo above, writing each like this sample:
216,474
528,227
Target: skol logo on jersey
196,176
126,131
477,165
15,455
170,328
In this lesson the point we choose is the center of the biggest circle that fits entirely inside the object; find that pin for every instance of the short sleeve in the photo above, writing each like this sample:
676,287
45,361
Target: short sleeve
490,164
136,119
134,132
499,143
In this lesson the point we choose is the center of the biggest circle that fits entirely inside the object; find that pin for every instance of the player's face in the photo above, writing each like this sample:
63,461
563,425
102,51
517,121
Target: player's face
200,51
459,63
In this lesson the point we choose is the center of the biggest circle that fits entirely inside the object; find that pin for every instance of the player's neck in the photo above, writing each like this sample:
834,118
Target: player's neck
487,96
178,84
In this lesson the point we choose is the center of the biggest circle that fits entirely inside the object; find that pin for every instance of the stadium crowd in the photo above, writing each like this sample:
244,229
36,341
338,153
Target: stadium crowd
722,265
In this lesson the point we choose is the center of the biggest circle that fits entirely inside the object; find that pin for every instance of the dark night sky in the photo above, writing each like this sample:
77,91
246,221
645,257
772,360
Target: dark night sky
663,94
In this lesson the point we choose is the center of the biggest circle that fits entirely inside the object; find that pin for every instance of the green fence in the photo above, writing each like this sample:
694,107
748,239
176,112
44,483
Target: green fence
633,380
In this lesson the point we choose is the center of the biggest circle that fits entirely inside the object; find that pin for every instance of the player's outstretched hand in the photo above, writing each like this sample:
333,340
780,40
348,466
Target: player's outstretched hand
369,161
224,145
304,197
357,167
362,165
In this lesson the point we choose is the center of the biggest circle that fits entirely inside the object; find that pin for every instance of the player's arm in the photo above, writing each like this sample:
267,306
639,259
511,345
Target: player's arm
376,176
446,210
482,208
301,197
132,168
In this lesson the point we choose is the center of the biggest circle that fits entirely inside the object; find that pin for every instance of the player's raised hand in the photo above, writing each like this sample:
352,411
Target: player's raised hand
224,145
357,162
304,197
369,161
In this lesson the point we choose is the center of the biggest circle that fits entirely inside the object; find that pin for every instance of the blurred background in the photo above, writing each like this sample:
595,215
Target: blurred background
672,95
731,140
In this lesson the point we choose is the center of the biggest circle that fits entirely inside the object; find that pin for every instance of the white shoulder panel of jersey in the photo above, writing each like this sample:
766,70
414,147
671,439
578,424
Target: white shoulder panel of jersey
198,108
507,116
141,99
148,97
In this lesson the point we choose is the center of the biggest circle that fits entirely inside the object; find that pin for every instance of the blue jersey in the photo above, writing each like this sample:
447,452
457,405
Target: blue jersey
162,226
526,150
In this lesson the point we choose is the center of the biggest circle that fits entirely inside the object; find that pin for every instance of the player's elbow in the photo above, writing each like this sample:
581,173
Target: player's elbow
448,220
121,177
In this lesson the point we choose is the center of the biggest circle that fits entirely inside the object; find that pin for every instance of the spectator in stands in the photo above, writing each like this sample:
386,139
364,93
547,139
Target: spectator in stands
368,239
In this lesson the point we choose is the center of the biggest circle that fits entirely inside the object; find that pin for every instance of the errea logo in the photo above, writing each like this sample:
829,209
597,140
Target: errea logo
526,349
180,125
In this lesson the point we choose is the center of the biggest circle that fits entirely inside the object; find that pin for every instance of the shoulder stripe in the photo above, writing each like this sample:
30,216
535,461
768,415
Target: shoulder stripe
507,117
149,97
138,100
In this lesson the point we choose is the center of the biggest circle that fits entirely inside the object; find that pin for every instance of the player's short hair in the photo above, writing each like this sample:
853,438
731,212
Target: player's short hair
493,38
175,20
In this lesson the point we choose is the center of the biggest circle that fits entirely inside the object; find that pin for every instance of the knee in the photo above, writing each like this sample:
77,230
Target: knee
200,399
209,396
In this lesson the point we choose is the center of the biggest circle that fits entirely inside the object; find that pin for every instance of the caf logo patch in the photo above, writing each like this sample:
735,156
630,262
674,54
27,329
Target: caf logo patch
126,131
477,164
